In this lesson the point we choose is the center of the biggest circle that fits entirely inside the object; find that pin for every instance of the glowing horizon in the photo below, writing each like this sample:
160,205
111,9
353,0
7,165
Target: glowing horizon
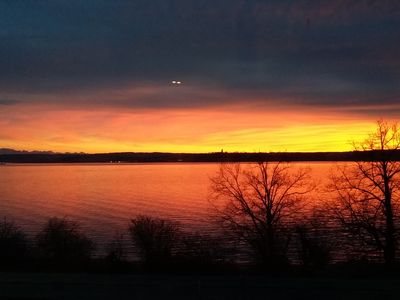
49,128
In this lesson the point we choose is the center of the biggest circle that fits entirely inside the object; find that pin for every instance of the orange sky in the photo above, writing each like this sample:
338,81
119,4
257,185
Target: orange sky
257,75
47,127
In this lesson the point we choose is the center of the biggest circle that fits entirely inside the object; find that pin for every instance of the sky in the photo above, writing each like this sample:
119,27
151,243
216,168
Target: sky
257,75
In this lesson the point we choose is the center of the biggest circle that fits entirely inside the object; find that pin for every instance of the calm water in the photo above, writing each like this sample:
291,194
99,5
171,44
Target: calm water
104,197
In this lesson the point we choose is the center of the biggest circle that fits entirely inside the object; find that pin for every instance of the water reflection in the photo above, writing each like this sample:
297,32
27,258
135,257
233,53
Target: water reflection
104,197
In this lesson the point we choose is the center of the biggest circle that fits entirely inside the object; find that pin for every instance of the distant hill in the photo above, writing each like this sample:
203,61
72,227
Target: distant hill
13,151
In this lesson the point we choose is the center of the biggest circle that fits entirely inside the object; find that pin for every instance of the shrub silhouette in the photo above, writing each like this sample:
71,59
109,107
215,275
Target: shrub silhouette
205,250
154,238
62,241
13,243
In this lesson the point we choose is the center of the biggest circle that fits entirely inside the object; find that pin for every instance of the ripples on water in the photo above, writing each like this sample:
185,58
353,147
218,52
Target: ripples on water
104,197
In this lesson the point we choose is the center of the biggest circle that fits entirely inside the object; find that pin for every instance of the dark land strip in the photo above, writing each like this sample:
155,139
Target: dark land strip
216,157
127,286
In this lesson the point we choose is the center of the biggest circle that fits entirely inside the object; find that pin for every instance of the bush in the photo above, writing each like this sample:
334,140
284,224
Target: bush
205,250
154,238
62,241
13,243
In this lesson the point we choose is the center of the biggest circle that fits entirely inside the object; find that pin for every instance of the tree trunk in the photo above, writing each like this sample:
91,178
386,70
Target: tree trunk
390,242
270,235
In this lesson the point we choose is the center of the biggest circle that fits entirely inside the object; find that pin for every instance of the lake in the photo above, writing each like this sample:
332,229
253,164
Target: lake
104,197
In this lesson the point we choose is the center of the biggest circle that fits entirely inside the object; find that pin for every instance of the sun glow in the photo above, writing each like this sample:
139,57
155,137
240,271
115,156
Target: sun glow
178,130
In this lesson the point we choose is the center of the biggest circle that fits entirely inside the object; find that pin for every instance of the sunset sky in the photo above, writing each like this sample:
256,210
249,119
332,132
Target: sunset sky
257,75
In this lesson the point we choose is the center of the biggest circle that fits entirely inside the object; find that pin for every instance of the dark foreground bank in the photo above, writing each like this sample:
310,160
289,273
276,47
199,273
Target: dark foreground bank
124,286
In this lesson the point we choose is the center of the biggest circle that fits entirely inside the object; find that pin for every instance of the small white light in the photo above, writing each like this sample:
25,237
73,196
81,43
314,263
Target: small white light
173,82
178,82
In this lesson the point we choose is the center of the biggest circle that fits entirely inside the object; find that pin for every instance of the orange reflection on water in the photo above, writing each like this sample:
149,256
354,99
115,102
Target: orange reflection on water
104,197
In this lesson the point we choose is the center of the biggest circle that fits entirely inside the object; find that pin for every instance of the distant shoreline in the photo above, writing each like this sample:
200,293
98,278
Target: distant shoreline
216,157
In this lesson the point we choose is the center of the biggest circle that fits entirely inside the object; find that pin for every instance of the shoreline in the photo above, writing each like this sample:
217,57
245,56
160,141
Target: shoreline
217,157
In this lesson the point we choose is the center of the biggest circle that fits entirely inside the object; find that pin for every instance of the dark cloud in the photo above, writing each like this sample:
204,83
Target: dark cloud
333,52
8,102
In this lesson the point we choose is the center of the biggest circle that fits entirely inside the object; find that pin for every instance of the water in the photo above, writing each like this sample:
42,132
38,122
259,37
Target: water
104,197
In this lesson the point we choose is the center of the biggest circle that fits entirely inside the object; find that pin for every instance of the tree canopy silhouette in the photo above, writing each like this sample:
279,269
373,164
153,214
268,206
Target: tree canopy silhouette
368,192
258,201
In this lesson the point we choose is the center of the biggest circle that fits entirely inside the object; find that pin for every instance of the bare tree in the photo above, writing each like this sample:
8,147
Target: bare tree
258,201
368,191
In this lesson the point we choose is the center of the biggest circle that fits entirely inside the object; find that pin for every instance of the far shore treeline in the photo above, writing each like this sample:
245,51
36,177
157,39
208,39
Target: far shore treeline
159,157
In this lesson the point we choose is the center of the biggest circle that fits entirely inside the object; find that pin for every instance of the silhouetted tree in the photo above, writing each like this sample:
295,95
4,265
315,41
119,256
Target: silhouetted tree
154,239
257,202
61,240
13,243
368,192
